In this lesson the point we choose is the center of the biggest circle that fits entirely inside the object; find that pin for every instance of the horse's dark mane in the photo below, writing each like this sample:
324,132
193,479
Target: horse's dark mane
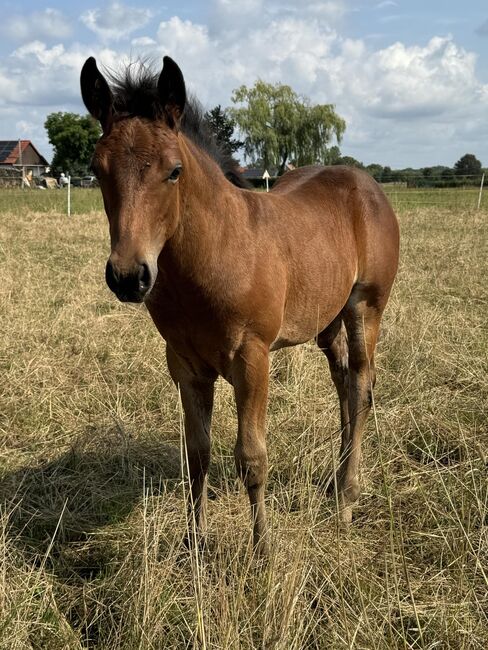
135,93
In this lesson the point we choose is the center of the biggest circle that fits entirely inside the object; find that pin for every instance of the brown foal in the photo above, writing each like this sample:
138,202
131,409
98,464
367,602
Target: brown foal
228,274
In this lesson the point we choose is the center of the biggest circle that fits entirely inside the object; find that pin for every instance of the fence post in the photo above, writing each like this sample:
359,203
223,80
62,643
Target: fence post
69,195
481,190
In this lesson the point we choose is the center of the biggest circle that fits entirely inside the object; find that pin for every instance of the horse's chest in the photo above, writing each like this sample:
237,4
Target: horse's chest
197,329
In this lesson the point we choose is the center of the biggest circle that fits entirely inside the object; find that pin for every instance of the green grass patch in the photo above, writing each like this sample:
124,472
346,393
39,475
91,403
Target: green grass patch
83,200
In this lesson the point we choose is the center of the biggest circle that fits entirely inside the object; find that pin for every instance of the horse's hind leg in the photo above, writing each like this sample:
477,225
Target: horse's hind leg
362,315
333,343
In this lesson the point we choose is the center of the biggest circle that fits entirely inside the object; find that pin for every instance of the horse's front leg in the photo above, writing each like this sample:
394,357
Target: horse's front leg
197,394
250,376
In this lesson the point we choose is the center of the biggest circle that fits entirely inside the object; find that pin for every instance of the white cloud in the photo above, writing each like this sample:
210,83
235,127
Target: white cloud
399,81
143,41
46,24
280,51
331,11
386,3
183,36
419,81
44,55
116,21
56,78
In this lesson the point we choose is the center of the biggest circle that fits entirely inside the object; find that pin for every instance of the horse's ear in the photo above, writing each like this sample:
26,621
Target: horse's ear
172,91
96,94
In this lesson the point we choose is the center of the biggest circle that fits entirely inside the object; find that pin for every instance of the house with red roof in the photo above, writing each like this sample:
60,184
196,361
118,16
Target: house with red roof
21,155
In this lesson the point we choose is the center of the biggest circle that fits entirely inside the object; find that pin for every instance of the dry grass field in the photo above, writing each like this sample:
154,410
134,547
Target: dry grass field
92,491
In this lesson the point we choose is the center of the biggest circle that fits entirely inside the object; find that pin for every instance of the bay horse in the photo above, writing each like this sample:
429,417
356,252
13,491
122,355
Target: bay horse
229,274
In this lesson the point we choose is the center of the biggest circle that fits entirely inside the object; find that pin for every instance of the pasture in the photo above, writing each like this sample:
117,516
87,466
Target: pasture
93,491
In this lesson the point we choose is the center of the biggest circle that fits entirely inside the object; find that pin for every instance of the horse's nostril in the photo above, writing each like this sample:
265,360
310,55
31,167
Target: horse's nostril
144,278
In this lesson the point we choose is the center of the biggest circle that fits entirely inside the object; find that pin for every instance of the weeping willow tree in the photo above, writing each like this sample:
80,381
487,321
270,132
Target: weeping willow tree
278,125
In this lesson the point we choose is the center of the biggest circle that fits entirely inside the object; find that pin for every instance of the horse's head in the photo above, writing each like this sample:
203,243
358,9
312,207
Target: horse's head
138,162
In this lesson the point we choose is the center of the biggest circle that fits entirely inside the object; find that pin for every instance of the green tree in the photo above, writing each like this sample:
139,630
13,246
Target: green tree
223,127
332,155
447,177
447,174
73,138
278,124
350,161
468,165
376,171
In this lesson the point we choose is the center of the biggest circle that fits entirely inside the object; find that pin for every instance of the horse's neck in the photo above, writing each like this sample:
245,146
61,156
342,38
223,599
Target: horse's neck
212,210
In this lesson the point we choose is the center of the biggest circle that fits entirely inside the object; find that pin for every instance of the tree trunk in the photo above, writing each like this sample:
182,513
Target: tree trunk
281,169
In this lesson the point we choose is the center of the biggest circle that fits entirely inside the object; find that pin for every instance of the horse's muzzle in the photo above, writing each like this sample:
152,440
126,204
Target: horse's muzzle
129,287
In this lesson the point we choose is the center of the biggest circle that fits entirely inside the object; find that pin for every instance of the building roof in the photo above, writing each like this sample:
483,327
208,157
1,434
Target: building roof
10,152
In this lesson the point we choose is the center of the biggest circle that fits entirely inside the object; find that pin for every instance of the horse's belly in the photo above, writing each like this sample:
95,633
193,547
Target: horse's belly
303,329
308,315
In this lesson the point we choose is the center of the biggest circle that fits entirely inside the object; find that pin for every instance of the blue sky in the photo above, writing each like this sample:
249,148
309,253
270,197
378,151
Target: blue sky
410,77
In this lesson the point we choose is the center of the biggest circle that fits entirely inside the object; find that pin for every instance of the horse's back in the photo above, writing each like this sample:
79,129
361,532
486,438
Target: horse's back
337,187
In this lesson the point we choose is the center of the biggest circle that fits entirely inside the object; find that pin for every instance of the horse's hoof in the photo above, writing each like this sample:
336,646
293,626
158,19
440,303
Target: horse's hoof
345,515
261,548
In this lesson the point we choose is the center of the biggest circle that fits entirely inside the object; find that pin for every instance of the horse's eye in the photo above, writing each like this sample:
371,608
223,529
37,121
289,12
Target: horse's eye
175,174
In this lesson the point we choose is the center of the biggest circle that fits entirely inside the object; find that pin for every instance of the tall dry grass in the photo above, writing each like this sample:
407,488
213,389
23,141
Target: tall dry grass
92,492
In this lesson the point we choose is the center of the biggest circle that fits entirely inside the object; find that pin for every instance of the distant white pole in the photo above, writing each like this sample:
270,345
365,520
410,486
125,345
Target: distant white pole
21,166
481,190
266,176
69,195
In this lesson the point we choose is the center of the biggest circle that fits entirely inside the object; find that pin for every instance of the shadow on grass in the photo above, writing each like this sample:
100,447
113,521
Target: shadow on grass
57,505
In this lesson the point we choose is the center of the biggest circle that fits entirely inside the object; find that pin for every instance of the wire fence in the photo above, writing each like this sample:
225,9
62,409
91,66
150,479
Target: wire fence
453,198
79,195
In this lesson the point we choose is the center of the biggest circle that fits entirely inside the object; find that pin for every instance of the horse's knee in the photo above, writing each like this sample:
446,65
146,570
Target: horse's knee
251,464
